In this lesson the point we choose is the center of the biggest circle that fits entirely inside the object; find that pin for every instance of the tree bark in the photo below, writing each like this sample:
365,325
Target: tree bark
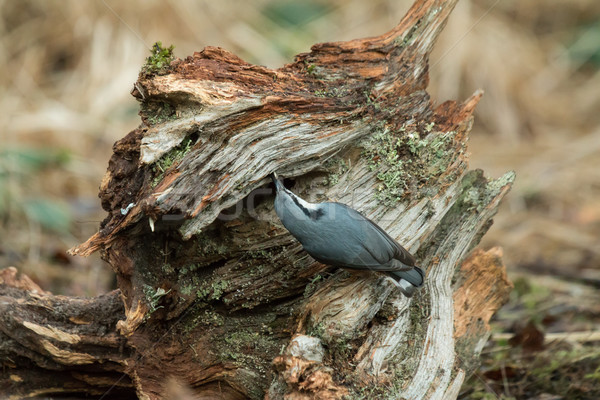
215,294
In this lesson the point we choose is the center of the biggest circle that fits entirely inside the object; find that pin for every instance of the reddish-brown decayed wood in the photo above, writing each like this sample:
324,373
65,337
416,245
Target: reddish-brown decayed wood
482,273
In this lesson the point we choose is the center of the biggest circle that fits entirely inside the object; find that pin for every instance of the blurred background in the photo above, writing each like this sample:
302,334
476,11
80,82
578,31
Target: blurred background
67,68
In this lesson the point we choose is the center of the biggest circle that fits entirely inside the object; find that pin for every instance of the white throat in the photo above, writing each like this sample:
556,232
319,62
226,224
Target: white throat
304,203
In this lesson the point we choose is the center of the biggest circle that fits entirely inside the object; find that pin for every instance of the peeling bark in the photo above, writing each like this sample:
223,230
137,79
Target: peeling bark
216,295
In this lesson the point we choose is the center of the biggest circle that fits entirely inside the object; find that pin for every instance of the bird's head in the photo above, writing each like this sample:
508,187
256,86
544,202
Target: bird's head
290,207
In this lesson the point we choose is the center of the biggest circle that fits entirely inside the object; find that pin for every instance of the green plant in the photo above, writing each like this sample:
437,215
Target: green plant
160,58
170,158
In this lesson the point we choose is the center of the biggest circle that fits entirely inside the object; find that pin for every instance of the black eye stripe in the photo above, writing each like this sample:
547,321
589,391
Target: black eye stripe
304,210
312,214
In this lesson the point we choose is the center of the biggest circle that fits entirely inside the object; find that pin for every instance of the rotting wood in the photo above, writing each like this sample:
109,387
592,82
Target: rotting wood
217,295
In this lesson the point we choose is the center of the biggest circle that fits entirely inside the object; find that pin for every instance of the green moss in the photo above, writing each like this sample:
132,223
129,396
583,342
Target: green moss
247,348
378,391
370,102
213,318
495,186
157,112
472,198
256,254
169,159
398,371
188,268
419,312
159,61
189,279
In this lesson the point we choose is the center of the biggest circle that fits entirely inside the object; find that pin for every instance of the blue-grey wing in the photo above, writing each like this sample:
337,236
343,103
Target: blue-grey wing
391,246
360,244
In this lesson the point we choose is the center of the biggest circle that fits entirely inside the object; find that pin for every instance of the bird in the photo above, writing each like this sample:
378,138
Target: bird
337,235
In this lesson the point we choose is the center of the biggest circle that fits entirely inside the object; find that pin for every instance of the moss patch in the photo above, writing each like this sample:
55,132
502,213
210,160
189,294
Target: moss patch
159,61
561,370
337,92
169,159
246,346
157,112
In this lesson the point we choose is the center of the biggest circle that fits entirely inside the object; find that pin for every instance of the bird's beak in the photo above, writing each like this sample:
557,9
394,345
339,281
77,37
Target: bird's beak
276,182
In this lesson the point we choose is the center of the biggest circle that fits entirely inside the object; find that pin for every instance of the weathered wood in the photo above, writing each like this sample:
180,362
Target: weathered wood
57,344
217,295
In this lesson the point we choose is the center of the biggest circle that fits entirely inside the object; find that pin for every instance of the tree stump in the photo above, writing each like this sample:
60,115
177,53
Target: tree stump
215,294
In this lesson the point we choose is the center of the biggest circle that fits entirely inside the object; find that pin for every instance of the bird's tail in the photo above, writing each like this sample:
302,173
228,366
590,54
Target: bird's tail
408,281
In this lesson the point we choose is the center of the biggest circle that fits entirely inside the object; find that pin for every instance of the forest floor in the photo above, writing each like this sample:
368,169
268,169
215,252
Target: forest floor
68,67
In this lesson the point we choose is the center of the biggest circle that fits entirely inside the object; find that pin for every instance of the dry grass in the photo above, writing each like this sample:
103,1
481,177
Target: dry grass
68,66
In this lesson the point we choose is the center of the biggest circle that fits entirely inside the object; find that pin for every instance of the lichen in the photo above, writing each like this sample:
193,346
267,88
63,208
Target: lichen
475,197
208,245
336,92
311,287
399,371
211,290
201,316
411,349
317,330
247,346
189,281
405,161
336,167
153,296
167,269
255,254
391,390
157,112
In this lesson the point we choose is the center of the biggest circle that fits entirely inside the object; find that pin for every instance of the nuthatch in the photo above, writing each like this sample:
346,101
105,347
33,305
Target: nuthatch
335,234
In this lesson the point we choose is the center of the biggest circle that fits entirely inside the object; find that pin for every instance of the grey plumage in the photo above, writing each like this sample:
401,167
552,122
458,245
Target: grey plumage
335,234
